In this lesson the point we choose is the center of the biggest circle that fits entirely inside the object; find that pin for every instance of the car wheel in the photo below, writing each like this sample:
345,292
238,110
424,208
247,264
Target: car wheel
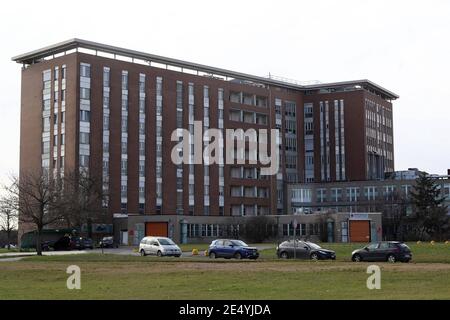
356,258
238,256
284,255
159,254
314,256
143,253
391,258
212,255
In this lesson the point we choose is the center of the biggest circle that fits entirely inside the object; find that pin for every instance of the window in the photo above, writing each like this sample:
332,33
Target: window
321,195
84,138
308,110
290,108
123,191
85,93
124,124
105,122
63,72
85,70
106,77
85,116
124,167
370,193
45,147
63,117
63,95
46,104
301,195
84,160
142,168
353,194
142,148
124,80
336,194
309,128
63,139
46,124
124,147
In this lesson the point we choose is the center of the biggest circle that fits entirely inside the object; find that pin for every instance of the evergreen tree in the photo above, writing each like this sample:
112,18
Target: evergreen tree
431,213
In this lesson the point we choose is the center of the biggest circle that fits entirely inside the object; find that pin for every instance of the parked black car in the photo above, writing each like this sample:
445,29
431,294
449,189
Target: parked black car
108,242
304,250
47,245
83,243
65,243
390,251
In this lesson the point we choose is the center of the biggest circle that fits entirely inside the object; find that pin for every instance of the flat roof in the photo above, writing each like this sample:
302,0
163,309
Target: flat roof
36,56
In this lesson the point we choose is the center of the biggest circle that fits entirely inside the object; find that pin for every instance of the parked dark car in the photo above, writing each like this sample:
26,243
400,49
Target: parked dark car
47,245
65,243
108,242
83,243
390,251
225,248
304,250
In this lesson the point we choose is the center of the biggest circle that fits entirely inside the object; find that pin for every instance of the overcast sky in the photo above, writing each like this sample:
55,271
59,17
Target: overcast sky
403,46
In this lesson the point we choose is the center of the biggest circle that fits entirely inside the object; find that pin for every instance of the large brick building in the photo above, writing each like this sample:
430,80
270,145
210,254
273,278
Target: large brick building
112,111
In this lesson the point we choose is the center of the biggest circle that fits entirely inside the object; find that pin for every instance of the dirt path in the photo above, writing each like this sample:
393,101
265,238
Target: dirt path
159,267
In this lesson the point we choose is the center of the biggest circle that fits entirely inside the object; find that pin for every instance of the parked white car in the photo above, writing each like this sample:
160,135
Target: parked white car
159,246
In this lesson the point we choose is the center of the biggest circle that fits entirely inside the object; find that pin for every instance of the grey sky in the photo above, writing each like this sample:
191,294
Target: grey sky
402,45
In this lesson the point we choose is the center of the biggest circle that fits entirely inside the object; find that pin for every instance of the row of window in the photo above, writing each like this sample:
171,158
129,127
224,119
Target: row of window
353,194
302,229
249,192
248,99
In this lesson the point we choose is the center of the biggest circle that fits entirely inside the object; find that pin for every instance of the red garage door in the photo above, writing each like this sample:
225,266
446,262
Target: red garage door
156,229
359,231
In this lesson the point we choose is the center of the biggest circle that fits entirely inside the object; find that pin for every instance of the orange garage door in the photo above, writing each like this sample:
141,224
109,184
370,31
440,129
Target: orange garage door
359,230
156,229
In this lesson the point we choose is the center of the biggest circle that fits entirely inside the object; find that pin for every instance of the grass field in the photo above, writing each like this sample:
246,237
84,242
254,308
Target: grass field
130,277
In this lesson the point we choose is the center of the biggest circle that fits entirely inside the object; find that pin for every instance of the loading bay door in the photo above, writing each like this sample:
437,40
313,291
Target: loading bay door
359,230
156,229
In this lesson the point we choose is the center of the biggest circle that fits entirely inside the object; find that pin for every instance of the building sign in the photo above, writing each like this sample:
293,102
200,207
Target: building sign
359,216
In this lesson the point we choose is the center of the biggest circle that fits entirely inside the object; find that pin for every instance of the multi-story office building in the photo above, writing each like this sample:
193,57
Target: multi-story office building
112,111
359,196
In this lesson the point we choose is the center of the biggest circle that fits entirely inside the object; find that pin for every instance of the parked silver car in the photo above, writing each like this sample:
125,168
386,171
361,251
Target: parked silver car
159,246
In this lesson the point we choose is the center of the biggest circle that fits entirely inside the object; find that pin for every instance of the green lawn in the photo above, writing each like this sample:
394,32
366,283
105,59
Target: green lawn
111,276
4,250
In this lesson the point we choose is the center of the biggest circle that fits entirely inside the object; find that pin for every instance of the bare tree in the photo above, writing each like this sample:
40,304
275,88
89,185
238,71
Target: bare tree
8,216
259,228
395,215
83,198
36,197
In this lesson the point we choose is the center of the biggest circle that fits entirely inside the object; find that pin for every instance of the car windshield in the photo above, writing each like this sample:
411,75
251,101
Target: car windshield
313,245
239,243
166,242
107,238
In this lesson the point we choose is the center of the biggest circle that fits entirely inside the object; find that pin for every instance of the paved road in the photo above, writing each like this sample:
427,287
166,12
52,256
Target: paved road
15,256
